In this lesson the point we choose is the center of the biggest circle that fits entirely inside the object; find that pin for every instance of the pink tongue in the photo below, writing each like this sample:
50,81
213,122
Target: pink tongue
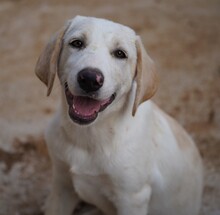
86,106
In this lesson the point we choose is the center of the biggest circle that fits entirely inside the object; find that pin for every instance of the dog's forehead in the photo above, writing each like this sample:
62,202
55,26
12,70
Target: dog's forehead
100,27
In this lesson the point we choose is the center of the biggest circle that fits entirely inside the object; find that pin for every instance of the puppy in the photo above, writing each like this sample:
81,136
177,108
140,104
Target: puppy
110,145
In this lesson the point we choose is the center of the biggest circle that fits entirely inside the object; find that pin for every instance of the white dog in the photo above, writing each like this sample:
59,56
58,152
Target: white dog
110,145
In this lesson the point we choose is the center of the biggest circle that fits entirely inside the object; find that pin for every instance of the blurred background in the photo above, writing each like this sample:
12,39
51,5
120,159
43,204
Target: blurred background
183,38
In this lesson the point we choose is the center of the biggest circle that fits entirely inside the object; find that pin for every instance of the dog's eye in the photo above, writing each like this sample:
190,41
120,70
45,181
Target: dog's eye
77,43
118,53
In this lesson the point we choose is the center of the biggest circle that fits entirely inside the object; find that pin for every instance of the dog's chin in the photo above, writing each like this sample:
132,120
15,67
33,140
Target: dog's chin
84,110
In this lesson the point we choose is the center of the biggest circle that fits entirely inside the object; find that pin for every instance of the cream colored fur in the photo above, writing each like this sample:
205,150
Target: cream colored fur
133,159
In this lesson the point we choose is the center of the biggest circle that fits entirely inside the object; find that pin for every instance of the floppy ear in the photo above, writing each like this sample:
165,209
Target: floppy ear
146,77
47,64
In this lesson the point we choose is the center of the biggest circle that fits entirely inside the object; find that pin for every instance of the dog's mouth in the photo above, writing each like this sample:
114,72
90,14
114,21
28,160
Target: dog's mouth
84,109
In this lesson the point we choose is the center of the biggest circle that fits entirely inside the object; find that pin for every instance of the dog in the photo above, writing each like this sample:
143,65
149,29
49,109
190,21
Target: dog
110,145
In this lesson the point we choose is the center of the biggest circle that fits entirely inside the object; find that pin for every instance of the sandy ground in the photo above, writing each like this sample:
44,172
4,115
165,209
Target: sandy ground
183,37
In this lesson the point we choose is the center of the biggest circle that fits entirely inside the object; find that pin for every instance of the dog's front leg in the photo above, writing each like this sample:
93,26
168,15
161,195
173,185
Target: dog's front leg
62,199
134,203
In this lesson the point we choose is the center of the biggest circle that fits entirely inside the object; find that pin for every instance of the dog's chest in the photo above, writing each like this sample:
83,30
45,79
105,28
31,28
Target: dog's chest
82,162
90,188
89,175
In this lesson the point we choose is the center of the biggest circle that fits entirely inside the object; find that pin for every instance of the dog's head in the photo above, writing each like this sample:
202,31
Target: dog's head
97,62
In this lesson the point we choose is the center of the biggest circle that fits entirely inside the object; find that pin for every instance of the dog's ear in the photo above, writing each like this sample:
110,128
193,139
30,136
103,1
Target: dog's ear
47,64
146,77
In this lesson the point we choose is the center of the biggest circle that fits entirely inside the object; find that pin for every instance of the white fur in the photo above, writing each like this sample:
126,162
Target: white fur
122,164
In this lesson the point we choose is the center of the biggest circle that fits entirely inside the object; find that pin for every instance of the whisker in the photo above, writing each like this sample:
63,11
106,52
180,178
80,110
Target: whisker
66,86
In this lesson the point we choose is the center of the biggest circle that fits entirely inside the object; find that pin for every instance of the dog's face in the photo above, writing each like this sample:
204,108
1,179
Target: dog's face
97,62
97,66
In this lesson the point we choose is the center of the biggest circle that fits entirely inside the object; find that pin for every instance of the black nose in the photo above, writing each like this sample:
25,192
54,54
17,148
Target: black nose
90,79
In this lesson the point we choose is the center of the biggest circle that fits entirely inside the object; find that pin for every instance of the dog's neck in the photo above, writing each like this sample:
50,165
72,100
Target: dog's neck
89,133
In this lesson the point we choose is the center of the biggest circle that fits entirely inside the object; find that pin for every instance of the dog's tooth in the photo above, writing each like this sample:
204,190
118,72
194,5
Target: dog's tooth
93,95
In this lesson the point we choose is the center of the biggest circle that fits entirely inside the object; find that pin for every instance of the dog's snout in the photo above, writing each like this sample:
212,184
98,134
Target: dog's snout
90,79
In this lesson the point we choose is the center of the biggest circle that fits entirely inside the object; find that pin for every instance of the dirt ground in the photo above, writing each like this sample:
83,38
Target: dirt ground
183,38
